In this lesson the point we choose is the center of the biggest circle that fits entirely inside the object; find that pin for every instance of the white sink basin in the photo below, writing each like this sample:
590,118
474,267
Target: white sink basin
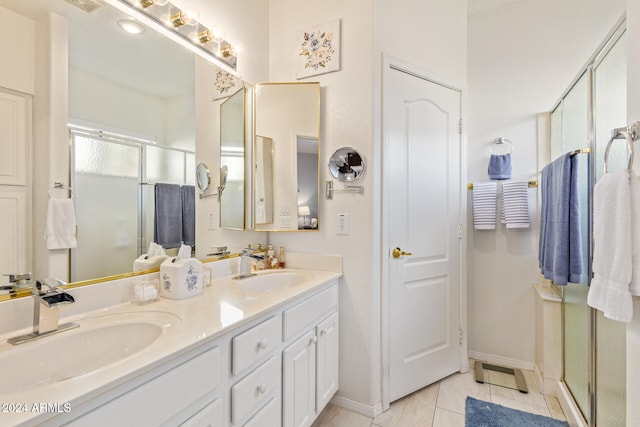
270,282
99,342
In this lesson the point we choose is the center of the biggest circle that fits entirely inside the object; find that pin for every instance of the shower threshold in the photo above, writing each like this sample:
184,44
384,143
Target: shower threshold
480,367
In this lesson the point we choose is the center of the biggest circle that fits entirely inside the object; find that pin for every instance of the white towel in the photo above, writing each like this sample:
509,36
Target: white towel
612,255
634,187
484,205
515,204
61,224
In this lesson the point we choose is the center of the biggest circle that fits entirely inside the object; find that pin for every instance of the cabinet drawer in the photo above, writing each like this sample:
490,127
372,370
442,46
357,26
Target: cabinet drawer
250,346
254,388
304,314
209,416
161,398
267,416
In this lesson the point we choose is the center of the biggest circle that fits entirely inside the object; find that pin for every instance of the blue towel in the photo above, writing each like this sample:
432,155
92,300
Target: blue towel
167,230
560,249
500,166
189,214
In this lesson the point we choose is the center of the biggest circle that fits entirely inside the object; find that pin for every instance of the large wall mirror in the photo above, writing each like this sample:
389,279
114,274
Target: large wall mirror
131,107
286,147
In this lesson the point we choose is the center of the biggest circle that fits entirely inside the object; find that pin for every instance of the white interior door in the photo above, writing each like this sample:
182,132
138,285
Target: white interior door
422,197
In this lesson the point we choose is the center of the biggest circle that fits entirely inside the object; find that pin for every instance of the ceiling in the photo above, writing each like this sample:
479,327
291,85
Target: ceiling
148,62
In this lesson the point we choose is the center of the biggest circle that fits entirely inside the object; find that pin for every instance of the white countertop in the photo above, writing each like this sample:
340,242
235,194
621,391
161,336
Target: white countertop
221,308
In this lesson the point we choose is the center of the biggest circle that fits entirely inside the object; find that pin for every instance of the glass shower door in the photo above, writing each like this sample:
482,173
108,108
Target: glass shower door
570,131
610,91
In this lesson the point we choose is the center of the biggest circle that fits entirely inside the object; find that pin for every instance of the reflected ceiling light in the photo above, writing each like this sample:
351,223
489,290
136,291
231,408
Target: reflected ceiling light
130,26
148,3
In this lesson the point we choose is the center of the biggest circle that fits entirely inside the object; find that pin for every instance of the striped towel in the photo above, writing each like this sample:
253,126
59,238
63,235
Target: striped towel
484,205
515,204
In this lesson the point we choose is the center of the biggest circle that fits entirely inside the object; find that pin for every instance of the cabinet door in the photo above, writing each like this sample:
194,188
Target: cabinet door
327,363
299,381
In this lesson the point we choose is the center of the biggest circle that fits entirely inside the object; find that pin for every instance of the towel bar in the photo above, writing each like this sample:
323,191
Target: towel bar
532,184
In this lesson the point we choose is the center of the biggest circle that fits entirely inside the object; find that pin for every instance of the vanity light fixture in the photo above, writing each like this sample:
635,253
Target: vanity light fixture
130,26
182,26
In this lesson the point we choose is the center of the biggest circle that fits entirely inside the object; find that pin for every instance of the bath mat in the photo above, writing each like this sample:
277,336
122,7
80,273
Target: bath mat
485,414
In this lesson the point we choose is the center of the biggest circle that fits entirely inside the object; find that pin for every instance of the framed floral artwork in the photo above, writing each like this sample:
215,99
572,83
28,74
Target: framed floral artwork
318,50
225,84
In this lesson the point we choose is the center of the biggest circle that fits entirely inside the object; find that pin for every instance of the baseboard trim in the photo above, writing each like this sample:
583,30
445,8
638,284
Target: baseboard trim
569,406
370,411
499,360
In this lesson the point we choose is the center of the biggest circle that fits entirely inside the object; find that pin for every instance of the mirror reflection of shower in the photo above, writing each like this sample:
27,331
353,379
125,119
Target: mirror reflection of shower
112,178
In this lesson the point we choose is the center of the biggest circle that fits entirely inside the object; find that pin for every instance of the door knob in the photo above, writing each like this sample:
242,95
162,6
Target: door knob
397,253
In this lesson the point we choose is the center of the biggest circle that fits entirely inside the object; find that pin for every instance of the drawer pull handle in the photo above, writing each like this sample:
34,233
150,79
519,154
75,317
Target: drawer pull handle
262,344
313,340
262,388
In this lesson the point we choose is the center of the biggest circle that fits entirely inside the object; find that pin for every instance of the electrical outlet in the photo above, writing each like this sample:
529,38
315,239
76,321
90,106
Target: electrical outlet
342,224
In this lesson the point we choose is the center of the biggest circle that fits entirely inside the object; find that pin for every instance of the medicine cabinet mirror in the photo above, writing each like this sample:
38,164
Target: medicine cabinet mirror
232,159
286,162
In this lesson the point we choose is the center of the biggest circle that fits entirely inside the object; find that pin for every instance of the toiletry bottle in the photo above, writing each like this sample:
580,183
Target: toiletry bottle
281,263
269,259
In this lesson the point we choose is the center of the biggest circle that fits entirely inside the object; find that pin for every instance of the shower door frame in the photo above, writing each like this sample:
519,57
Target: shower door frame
589,70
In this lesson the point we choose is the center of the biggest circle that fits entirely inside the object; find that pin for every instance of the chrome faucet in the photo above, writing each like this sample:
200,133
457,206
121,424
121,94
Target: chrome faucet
247,261
45,310
17,281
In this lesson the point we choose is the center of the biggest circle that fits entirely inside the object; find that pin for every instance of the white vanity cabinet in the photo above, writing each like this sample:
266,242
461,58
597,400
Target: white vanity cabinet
310,362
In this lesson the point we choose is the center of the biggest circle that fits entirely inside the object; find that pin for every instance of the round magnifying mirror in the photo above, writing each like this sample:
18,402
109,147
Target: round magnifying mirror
346,164
203,177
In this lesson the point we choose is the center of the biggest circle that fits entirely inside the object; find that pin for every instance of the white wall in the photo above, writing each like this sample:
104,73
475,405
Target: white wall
633,114
521,59
17,47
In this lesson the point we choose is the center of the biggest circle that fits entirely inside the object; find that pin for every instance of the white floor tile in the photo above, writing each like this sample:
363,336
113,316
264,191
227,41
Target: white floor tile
443,405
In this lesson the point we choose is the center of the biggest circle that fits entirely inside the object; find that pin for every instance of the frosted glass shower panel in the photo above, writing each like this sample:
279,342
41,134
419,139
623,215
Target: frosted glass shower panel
165,165
105,181
570,131
610,112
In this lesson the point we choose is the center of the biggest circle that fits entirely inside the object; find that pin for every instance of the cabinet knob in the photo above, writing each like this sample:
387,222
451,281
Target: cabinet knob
262,344
262,388
313,340
323,332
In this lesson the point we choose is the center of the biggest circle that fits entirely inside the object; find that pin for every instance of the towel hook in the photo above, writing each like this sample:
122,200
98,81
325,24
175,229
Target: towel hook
58,184
500,142
628,135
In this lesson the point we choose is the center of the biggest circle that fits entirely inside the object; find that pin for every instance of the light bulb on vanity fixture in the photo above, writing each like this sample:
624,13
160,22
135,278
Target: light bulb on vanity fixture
184,17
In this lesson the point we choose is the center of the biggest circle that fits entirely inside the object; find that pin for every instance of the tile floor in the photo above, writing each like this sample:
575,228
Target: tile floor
443,404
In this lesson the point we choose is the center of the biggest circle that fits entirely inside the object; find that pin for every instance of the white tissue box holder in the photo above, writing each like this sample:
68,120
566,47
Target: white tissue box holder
145,262
145,291
180,278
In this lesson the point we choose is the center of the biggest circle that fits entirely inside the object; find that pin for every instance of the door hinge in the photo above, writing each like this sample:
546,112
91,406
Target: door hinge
459,231
461,335
460,126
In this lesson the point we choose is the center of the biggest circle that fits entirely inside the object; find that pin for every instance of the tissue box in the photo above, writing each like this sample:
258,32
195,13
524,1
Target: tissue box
145,291
180,278
145,262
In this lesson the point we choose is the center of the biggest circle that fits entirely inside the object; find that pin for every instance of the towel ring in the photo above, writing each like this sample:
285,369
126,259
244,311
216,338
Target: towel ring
499,142
615,135
61,185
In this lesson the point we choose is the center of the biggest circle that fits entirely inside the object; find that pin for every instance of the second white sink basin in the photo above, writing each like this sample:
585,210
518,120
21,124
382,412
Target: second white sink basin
272,281
99,342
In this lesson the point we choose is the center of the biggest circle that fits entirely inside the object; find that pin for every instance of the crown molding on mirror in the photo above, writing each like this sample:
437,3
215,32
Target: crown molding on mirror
179,26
